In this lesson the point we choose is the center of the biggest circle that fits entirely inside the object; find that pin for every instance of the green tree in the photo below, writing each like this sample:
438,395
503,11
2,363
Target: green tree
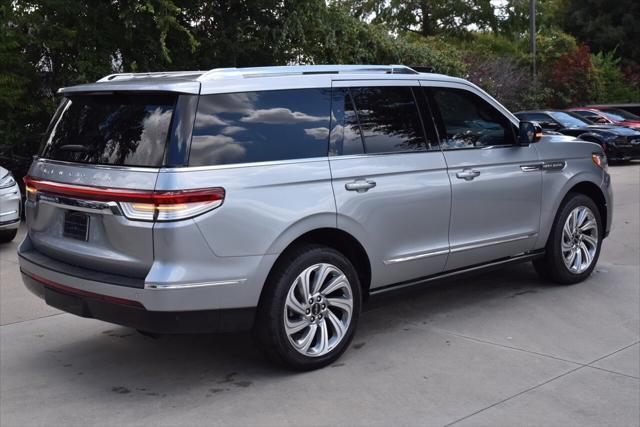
604,25
426,17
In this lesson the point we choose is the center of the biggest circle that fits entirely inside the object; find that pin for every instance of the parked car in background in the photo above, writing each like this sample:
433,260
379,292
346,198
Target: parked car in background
278,199
607,115
10,206
633,108
620,143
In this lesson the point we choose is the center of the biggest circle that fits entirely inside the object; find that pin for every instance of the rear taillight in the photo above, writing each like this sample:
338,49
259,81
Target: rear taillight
137,204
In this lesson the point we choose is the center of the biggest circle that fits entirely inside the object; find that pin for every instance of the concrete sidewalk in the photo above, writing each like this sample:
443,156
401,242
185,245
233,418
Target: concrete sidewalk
499,349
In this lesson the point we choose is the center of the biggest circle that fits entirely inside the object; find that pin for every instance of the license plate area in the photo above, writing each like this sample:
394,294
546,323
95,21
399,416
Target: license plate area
76,225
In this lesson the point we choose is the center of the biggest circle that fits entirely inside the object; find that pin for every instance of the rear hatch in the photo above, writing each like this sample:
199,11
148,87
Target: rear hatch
101,148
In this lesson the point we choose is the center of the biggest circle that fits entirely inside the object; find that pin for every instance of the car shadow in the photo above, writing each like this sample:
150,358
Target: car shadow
122,361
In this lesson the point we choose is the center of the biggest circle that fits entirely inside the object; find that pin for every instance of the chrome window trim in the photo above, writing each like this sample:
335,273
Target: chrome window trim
375,82
243,165
469,87
96,166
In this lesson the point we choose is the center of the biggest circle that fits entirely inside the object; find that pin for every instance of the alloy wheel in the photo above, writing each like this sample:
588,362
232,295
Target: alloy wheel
318,310
579,239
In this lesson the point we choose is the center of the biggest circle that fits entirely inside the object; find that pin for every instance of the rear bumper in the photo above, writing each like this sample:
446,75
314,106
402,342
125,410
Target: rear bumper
161,307
134,315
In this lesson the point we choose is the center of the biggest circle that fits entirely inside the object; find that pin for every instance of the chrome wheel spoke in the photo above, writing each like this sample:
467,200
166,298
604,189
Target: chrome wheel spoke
293,327
304,343
589,225
341,304
335,284
305,282
580,217
321,275
585,253
592,241
578,260
323,345
293,304
336,323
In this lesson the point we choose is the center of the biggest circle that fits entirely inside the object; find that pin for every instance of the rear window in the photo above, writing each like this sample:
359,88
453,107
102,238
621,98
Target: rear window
111,129
261,126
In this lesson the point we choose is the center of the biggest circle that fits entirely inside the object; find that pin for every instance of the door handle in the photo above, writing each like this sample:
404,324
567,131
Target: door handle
360,185
468,174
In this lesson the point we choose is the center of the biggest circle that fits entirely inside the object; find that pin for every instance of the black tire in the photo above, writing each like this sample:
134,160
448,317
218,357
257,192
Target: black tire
7,235
269,330
551,266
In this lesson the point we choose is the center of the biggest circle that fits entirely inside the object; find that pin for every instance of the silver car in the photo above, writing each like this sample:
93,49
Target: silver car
279,199
10,202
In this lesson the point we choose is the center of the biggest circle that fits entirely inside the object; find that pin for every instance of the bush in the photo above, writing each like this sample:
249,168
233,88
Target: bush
611,83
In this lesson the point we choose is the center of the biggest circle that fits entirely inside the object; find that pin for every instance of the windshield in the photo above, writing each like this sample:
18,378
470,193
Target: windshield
619,115
123,129
568,120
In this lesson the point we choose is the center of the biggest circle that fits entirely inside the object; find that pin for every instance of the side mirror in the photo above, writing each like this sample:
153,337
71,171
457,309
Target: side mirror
529,133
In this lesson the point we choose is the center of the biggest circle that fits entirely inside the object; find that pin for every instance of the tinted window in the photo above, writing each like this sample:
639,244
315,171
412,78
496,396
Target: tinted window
467,121
536,117
568,120
619,115
121,129
389,119
587,115
261,126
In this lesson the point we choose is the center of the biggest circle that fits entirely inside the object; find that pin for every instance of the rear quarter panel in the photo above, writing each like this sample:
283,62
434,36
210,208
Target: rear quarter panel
266,205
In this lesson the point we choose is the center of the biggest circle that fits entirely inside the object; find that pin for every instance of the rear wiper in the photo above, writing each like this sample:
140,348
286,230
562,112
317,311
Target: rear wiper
73,147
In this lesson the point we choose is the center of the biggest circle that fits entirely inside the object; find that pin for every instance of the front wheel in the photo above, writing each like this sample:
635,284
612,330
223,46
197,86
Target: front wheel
7,235
574,244
310,308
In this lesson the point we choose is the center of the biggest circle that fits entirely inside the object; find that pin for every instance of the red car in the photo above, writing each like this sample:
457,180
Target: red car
608,115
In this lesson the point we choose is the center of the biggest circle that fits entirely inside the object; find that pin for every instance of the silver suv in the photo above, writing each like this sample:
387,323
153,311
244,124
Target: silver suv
278,199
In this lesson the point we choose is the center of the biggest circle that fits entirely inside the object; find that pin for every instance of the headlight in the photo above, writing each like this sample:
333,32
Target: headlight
7,181
600,160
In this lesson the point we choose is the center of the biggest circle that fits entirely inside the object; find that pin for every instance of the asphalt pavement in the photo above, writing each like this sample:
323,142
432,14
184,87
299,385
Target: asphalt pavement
500,349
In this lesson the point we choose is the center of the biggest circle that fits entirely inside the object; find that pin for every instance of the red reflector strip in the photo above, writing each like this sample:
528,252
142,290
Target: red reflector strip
126,195
80,292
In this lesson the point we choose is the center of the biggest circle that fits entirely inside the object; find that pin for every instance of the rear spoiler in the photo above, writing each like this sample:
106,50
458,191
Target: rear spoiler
146,85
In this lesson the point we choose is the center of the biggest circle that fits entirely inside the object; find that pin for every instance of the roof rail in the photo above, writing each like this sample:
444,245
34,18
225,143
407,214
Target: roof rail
127,76
223,73
423,68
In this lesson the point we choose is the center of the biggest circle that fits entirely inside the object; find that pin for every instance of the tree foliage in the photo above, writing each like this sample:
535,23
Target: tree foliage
48,44
604,25
427,17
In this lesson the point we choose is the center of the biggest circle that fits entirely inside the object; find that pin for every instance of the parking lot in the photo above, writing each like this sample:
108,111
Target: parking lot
503,348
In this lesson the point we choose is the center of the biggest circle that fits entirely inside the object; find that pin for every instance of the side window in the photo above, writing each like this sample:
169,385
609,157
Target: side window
538,117
468,121
262,126
389,119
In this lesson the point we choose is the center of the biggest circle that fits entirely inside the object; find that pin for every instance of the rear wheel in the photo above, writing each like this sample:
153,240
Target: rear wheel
7,235
574,244
310,308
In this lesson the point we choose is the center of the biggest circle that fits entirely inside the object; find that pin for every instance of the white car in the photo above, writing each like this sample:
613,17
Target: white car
10,201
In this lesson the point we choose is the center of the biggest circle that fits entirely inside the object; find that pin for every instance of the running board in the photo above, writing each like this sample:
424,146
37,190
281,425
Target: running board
459,272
